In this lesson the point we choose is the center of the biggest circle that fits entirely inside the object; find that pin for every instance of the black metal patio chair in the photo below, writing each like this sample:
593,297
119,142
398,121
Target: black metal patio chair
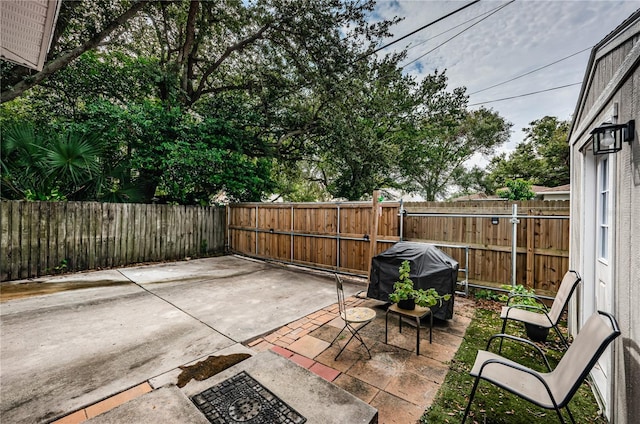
553,389
542,316
355,319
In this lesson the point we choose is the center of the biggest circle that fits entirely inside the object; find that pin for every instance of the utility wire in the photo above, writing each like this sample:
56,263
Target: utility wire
531,72
526,94
409,47
419,29
464,30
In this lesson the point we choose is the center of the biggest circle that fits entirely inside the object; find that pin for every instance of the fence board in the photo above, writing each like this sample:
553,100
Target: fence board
543,244
327,235
37,238
334,236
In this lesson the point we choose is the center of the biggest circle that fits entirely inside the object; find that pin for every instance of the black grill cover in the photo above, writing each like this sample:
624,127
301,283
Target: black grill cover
430,268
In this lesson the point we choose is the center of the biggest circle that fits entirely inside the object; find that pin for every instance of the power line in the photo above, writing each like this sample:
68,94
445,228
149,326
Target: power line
419,29
531,72
409,47
464,30
526,94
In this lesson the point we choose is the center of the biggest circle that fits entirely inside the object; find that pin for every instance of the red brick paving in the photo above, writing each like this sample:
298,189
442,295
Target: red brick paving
379,381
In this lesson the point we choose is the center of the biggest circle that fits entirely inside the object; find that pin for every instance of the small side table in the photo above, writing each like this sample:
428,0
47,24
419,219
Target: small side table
418,313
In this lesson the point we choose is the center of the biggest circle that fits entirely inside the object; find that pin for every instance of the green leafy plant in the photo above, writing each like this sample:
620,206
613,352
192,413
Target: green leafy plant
517,189
62,267
488,295
404,290
521,296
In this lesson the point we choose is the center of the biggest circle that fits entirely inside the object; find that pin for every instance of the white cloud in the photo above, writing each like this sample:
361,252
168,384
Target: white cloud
521,37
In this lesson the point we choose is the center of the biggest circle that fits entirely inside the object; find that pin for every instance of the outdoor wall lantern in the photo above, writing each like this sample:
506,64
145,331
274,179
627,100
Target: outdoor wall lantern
495,220
608,138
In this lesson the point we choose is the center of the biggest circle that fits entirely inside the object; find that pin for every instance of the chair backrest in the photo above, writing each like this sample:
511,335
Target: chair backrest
340,291
592,340
568,285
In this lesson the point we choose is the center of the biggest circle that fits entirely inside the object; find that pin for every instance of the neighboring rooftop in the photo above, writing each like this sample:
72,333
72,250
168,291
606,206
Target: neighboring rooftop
542,193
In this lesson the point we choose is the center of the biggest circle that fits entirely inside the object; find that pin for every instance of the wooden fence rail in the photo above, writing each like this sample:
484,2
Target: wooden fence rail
333,236
337,236
39,238
542,239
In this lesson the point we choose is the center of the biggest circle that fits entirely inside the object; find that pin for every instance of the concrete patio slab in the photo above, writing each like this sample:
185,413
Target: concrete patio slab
240,298
58,358
63,351
165,405
319,401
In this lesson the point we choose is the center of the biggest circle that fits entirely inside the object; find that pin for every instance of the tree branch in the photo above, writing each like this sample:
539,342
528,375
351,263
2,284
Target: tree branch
62,61
240,45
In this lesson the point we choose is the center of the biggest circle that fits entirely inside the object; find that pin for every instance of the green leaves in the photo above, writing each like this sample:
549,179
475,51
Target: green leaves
517,189
403,290
542,159
59,166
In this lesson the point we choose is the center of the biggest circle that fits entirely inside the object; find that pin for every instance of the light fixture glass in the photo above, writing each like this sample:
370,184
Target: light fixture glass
608,139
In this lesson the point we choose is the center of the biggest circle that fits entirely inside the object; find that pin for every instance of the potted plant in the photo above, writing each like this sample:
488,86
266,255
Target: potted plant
407,297
520,296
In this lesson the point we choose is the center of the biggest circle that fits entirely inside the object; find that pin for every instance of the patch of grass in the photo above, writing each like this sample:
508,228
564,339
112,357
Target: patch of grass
491,404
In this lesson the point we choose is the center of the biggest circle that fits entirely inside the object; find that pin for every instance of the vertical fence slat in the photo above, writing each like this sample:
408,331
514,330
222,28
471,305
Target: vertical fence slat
5,240
92,235
38,236
19,241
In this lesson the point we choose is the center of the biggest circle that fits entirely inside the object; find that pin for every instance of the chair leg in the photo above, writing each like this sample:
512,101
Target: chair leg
570,414
471,396
354,334
560,415
360,339
504,327
564,340
336,337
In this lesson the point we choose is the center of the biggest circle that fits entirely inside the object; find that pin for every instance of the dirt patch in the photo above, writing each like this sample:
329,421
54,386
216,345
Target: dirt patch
22,290
209,367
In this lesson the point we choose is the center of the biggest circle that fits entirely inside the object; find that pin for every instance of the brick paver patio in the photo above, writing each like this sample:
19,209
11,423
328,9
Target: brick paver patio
396,381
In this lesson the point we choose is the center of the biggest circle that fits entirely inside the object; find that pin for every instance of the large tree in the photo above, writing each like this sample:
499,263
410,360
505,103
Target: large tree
81,27
256,75
542,158
194,97
361,133
448,136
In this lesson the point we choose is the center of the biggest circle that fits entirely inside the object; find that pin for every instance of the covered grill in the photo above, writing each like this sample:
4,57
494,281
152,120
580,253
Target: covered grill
430,268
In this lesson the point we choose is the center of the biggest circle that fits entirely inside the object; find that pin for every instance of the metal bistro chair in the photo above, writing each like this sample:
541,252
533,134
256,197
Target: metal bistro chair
553,389
355,319
547,318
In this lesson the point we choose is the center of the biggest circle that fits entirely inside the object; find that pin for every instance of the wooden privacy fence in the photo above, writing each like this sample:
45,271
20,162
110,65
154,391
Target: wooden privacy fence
39,238
541,239
341,236
334,236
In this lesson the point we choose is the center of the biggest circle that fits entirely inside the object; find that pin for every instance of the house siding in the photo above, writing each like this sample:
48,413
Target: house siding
613,77
627,271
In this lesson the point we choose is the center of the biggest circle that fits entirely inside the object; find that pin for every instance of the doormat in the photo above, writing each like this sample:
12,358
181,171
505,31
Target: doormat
241,399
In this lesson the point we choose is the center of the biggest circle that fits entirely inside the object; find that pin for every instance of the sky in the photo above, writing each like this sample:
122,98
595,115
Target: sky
519,38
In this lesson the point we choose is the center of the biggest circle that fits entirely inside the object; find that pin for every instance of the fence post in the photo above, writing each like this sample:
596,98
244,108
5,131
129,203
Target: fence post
530,252
256,231
373,230
514,242
401,218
